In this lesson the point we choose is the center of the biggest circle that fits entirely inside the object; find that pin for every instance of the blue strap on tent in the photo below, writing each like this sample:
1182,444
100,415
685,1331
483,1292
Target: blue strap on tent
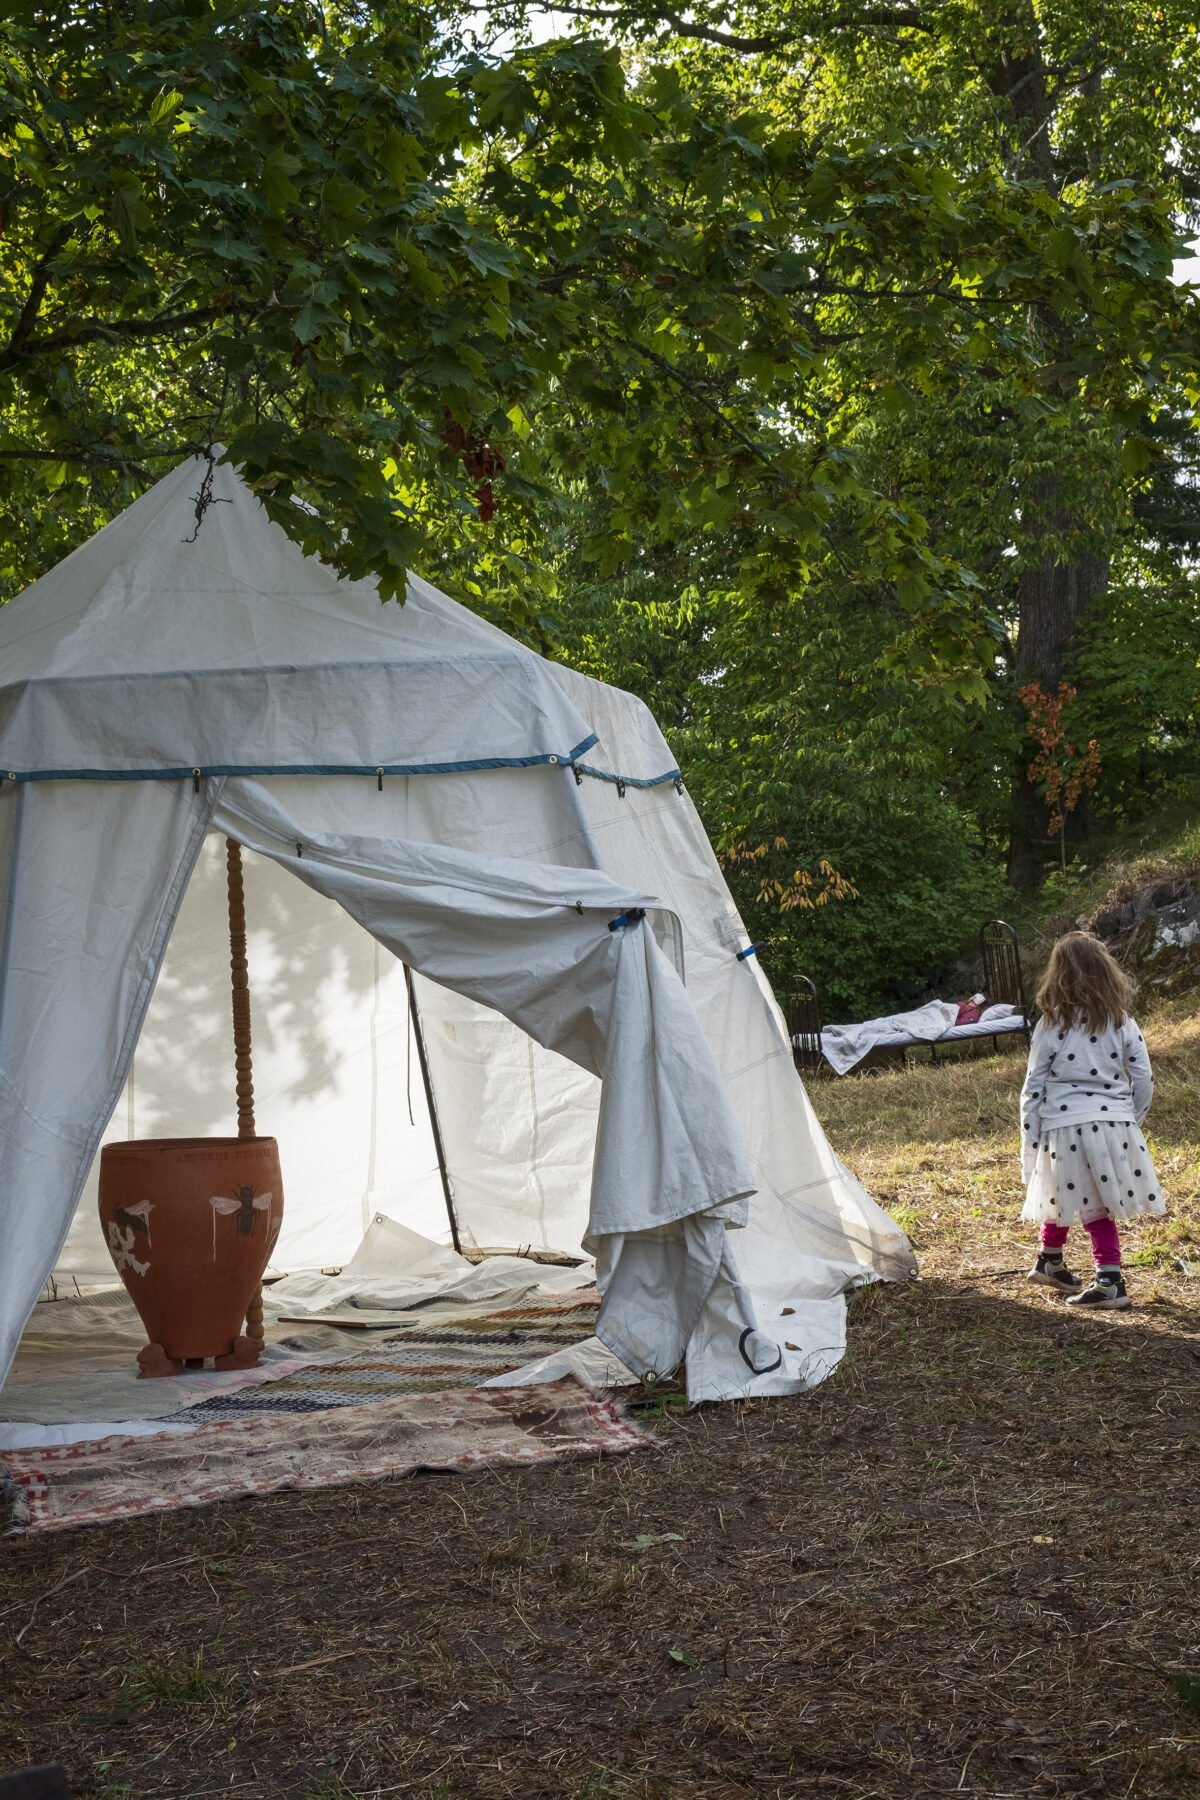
750,950
634,916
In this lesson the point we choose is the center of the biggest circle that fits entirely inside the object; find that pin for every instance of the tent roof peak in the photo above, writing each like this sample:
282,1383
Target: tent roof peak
192,635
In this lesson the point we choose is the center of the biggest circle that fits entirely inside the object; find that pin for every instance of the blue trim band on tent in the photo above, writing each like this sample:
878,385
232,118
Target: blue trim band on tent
566,760
636,781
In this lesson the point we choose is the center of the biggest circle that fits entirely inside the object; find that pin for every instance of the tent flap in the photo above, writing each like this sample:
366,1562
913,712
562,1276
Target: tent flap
96,880
538,945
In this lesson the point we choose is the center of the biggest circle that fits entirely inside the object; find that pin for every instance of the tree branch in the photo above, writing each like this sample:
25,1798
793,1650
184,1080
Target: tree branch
110,462
71,338
23,329
766,43
706,399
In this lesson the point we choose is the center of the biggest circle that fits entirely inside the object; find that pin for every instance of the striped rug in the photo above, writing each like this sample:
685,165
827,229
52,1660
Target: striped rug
421,1360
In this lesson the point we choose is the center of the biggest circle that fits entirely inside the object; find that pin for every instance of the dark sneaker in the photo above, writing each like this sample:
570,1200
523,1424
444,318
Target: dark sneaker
1106,1293
1053,1272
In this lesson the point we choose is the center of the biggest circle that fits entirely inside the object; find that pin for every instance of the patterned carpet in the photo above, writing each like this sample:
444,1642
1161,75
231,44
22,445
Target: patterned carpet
121,1478
421,1360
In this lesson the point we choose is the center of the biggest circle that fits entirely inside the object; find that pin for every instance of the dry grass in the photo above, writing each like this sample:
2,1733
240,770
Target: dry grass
965,1566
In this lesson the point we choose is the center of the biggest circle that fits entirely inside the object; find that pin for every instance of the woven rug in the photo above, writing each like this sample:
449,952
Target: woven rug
421,1360
126,1477
518,1311
77,1361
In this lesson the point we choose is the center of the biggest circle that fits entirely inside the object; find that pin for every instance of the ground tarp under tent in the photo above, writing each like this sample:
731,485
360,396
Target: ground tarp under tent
414,788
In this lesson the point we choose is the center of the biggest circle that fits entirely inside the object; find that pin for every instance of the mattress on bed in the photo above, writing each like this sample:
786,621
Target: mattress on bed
1015,1021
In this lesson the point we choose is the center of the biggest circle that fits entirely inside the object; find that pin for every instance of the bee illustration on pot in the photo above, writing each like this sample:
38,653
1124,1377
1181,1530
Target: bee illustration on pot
127,1224
244,1207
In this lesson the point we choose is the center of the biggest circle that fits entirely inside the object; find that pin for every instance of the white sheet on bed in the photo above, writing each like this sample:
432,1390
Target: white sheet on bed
933,1023
845,1045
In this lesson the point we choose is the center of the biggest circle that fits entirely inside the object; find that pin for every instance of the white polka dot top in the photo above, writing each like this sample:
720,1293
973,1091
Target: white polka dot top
1076,1075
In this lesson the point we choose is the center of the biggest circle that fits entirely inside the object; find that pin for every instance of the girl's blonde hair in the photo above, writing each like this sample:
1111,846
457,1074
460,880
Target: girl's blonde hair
1083,985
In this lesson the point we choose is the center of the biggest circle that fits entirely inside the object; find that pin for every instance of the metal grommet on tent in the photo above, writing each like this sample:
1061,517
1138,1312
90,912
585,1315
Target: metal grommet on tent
620,788
554,759
379,777
195,781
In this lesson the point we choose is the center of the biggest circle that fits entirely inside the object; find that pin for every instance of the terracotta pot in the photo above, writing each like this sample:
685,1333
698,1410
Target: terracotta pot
190,1224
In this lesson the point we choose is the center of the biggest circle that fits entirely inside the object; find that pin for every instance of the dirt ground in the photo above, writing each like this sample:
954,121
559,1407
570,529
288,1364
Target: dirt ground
965,1566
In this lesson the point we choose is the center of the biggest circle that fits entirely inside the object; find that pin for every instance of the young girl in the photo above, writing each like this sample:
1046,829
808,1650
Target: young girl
1088,1088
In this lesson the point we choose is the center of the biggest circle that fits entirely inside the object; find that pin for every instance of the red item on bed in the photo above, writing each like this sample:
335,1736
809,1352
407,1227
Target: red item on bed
968,1013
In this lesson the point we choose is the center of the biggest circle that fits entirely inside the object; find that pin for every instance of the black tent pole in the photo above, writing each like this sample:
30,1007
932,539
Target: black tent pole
415,1016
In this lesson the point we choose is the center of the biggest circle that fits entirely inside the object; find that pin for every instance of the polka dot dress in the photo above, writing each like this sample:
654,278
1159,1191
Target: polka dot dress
1090,1170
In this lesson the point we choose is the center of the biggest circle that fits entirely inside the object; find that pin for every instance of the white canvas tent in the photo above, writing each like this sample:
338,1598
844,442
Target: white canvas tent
415,788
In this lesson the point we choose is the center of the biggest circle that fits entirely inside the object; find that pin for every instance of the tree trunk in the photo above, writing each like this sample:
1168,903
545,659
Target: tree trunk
1052,593
1052,596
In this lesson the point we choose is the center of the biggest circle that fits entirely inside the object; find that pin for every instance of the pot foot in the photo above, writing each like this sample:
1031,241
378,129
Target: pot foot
154,1361
244,1355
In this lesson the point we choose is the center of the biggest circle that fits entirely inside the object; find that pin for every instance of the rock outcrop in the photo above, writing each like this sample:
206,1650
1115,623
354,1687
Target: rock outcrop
1155,933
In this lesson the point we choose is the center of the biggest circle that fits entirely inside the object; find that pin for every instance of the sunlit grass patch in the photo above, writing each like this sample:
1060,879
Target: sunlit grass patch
938,1145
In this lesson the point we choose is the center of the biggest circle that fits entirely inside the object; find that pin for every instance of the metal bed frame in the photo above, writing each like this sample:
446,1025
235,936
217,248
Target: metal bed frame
1003,982
804,1027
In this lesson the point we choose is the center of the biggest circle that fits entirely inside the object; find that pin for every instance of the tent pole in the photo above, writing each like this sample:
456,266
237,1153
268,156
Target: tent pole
415,1016
241,1037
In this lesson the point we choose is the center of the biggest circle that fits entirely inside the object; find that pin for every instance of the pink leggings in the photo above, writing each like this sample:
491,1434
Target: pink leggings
1106,1245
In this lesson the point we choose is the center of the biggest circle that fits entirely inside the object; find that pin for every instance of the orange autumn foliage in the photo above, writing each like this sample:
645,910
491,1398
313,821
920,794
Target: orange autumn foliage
1059,769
